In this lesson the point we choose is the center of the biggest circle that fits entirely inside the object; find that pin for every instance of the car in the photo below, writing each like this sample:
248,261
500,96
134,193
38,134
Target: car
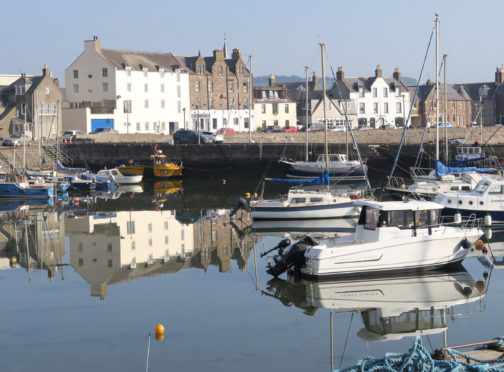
272,129
289,129
364,127
104,130
186,136
388,126
226,131
475,124
216,137
69,135
17,139
338,128
316,127
447,125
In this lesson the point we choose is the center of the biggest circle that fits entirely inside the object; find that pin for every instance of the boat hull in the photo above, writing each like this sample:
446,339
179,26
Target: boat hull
14,191
350,173
445,246
261,211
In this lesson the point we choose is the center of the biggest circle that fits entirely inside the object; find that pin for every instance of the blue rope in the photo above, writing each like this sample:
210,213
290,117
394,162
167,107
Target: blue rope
418,359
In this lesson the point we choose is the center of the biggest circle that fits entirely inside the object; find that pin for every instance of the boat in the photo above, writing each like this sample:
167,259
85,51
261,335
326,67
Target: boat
161,168
115,176
338,165
390,236
487,199
329,225
17,186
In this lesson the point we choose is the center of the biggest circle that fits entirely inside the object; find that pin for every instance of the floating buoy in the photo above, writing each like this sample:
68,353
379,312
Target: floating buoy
247,195
159,329
355,196
159,336
255,195
13,262
479,245
480,285
403,186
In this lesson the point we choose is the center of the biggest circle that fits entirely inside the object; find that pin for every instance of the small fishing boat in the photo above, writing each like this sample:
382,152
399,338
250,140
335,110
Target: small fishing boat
115,176
487,199
161,168
390,236
17,186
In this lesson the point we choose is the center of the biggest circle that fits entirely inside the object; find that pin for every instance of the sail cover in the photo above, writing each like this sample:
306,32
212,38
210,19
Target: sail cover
322,180
62,168
442,170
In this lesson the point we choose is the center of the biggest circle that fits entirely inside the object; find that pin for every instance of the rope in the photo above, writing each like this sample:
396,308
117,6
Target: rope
418,359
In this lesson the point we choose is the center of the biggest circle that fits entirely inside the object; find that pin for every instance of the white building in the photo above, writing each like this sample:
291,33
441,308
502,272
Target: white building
377,100
132,92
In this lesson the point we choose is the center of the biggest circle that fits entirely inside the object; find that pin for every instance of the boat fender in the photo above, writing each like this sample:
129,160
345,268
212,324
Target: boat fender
465,244
479,245
487,220
242,204
457,218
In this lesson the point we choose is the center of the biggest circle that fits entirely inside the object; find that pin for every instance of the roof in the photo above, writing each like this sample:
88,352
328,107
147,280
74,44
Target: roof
414,205
473,89
133,59
425,90
189,62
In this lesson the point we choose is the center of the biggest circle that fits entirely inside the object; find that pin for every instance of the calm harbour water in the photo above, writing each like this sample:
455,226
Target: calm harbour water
91,283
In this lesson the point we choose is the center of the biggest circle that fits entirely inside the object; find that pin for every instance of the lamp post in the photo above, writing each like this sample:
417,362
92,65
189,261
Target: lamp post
184,110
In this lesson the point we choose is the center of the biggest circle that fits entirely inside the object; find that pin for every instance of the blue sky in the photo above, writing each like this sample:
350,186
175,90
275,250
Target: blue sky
282,36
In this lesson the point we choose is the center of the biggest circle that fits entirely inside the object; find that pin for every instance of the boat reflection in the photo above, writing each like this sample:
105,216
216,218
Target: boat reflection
390,307
329,225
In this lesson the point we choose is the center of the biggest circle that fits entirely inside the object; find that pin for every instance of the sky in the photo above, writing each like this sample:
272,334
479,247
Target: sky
282,36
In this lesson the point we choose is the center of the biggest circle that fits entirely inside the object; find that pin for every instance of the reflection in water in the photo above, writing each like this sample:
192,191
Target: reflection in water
390,307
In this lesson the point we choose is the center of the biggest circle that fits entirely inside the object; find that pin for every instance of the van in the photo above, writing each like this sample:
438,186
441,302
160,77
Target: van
69,135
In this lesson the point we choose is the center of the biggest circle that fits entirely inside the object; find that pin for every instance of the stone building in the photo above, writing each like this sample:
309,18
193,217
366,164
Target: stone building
31,105
458,108
273,105
219,90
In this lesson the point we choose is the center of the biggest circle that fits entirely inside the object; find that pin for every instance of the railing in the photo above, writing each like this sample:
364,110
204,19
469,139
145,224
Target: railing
419,172
61,155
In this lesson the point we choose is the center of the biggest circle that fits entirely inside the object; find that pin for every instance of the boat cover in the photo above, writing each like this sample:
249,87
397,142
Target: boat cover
442,170
462,162
322,180
61,167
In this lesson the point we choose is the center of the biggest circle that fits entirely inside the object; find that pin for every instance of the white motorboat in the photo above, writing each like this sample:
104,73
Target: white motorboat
390,236
117,177
302,205
487,198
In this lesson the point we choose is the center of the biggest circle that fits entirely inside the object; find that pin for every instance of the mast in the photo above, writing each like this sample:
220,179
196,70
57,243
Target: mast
322,46
445,109
306,113
437,87
250,99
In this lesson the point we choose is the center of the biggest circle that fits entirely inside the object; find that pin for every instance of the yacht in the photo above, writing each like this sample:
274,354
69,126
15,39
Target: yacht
338,165
390,236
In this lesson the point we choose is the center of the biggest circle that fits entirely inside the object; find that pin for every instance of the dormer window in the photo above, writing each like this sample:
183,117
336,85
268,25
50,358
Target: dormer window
161,72
397,92
145,70
123,65
219,70
240,70
385,92
361,92
128,70
199,69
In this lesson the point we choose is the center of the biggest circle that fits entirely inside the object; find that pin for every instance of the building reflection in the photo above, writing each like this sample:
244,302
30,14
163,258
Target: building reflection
111,247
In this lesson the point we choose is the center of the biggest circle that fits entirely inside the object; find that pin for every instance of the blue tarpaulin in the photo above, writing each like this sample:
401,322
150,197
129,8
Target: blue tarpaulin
323,180
462,162
442,170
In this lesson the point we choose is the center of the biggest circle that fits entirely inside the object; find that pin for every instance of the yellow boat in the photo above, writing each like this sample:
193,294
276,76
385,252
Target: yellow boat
161,168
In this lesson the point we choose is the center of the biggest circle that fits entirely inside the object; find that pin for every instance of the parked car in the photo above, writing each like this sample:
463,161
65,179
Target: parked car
69,135
289,129
388,126
104,130
317,127
185,136
216,137
17,139
272,129
337,128
447,125
226,131
363,127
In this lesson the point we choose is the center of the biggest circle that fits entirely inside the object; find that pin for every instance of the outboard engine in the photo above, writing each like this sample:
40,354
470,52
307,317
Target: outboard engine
242,204
293,257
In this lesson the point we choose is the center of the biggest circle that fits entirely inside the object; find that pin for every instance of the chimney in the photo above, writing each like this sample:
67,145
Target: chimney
236,53
315,81
92,45
397,74
340,75
272,81
218,55
45,71
378,72
499,76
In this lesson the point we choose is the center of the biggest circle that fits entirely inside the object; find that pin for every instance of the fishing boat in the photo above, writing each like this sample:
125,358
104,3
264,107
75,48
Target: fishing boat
487,199
161,168
390,236
17,186
115,176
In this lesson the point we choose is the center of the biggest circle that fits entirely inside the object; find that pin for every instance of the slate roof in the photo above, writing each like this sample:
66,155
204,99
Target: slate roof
452,94
472,89
190,64
150,60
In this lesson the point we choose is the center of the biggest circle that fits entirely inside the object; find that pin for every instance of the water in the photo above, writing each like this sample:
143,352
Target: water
91,284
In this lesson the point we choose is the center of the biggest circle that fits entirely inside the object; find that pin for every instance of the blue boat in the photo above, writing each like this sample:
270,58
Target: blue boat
17,186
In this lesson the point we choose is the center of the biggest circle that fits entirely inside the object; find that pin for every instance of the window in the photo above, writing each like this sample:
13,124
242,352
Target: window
162,88
275,108
214,123
179,107
375,107
211,104
210,86
23,108
161,72
197,87
146,87
219,71
149,227
127,106
146,103
197,103
105,87
199,69
104,72
128,87
385,108
130,227
361,92
109,262
76,74
224,122
245,87
235,121
147,126
362,108
245,103
178,91
81,261
182,235
263,108
163,103
109,247
76,88
385,92
264,123
166,239
375,92
371,218
298,200
397,92
230,86
246,123
231,103
145,70
240,70
275,122
128,71
150,242
138,130
398,107
286,123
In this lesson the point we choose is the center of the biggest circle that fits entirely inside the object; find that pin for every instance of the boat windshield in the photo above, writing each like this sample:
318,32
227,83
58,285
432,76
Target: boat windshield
481,187
372,218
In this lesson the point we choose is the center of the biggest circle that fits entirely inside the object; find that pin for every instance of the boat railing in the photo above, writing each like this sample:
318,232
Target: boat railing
419,172
468,223
397,183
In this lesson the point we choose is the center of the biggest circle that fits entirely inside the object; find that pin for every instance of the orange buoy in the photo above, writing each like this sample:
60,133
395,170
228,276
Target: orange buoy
159,336
480,285
479,245
159,329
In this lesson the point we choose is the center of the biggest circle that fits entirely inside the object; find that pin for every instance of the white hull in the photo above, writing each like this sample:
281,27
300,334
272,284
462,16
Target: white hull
401,251
129,180
339,210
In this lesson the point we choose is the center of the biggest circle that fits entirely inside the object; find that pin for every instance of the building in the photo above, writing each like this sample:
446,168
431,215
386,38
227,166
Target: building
458,108
376,101
31,105
130,91
487,99
273,105
220,91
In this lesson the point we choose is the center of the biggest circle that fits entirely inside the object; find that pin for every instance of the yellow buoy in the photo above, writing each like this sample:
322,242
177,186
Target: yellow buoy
159,336
479,245
159,329
247,195
255,195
